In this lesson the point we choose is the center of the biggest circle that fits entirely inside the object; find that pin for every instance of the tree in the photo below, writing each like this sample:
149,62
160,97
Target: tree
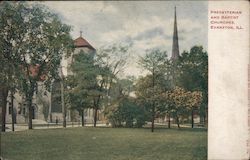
119,88
177,98
78,84
100,89
115,58
12,29
193,74
79,102
87,82
96,74
182,101
123,107
126,112
156,63
110,61
193,101
34,40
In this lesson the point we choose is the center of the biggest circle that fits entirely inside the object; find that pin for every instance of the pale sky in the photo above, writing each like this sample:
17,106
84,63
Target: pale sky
144,24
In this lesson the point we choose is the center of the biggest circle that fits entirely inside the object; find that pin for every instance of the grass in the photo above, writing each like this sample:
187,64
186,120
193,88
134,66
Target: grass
90,143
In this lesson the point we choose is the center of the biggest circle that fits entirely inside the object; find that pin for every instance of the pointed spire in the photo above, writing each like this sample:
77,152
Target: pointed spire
175,45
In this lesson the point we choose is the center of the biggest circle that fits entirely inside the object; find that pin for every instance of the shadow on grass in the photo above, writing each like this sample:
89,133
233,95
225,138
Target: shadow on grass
157,128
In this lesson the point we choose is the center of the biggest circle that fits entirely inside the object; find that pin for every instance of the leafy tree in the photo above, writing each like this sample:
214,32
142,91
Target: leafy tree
115,58
12,29
99,92
182,102
79,102
124,108
131,113
193,75
193,102
81,83
127,111
177,98
109,62
94,76
89,79
120,88
34,40
156,63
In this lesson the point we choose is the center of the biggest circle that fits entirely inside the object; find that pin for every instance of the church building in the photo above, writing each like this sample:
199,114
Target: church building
47,105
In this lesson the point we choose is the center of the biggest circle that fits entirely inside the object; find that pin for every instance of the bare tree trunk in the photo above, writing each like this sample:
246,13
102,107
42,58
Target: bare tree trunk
95,117
29,97
50,105
12,112
63,105
82,117
153,123
192,117
50,118
96,106
206,117
169,120
4,94
64,120
153,119
30,112
153,109
4,116
177,120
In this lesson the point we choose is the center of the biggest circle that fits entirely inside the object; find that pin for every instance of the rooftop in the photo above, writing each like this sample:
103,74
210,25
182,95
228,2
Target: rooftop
81,42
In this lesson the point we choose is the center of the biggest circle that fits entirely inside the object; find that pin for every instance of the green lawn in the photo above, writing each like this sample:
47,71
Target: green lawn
105,144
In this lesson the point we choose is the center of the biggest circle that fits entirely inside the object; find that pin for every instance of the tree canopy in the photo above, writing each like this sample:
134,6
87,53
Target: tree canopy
33,41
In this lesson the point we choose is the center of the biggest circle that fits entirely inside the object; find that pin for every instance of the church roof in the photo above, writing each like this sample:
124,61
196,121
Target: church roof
81,42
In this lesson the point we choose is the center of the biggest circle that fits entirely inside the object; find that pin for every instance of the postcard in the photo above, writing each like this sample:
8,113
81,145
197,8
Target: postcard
124,80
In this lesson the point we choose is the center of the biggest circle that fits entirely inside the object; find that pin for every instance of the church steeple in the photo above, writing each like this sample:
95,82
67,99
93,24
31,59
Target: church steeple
175,45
